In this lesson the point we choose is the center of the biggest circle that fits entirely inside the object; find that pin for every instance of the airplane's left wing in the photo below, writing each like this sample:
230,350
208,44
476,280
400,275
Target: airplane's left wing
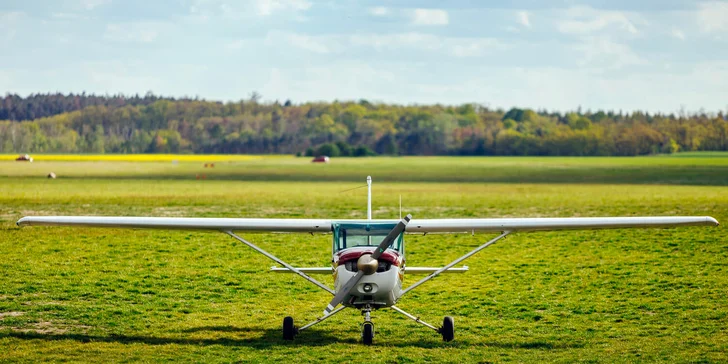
553,223
184,223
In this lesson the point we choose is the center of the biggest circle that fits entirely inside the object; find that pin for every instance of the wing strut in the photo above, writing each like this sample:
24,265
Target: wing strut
275,259
456,261
324,317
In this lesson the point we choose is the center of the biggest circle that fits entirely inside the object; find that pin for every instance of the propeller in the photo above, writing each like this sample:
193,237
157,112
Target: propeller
367,261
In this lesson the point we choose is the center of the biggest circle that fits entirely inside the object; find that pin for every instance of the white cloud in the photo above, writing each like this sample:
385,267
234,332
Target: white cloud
523,19
397,42
268,7
5,80
379,11
338,81
677,33
116,76
132,32
713,16
305,42
8,16
92,4
8,24
67,16
453,46
430,17
202,11
476,47
551,88
601,53
236,44
586,20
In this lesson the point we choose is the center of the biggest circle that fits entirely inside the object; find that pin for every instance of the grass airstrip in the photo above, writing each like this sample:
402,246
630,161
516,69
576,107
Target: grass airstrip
81,294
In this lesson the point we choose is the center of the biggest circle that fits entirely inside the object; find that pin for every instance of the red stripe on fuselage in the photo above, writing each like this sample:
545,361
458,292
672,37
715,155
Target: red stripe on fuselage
354,253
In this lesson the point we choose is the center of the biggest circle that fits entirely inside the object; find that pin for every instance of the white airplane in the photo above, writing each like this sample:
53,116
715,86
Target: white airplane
368,256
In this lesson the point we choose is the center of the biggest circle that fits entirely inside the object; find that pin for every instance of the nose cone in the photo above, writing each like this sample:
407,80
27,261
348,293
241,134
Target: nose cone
367,264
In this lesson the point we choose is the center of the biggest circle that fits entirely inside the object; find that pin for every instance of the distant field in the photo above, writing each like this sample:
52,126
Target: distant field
141,295
688,170
700,154
139,157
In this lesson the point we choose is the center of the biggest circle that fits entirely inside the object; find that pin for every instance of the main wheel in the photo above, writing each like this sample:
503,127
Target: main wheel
367,333
448,329
289,331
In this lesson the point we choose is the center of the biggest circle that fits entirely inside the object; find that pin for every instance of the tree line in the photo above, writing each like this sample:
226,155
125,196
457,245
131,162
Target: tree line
80,123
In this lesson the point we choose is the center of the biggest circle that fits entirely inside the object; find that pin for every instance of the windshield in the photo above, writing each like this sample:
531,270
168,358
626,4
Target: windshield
347,235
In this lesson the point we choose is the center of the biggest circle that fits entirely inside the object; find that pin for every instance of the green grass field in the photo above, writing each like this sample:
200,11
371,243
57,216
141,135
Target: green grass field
682,169
75,294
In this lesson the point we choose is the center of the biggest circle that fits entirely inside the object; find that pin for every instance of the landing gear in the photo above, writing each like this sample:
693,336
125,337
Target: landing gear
367,333
448,329
367,329
448,325
289,331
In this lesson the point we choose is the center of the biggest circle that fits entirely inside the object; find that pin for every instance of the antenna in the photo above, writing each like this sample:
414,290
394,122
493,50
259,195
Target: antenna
400,206
369,198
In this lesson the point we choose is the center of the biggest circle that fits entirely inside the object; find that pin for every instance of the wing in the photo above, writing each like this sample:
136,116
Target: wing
324,225
553,223
184,223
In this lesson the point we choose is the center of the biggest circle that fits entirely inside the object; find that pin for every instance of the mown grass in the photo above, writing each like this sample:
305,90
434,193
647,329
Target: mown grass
690,170
141,295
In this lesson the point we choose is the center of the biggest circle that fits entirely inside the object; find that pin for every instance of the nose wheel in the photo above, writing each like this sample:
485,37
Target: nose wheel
367,329
367,333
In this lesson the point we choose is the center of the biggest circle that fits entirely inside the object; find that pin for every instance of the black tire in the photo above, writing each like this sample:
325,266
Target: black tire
367,333
289,331
448,329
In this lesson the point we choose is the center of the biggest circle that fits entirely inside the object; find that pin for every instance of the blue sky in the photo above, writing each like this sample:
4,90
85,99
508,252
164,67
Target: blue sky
662,55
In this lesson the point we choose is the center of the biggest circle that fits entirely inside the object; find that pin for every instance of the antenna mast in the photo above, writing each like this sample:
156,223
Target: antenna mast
369,198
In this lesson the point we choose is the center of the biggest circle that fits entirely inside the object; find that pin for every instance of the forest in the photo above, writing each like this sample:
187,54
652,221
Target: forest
81,123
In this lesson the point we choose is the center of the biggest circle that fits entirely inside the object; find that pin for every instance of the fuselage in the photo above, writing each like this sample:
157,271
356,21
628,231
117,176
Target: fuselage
379,289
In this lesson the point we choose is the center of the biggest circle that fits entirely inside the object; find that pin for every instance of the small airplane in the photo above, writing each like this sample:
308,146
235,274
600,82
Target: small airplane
368,256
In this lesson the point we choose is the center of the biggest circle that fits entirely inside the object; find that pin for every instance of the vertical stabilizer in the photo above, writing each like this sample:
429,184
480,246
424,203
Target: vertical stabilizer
369,198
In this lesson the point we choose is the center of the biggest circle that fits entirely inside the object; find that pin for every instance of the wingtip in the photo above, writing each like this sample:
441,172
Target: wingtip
712,220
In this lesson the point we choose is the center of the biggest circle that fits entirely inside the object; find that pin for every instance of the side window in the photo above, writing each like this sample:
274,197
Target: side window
397,243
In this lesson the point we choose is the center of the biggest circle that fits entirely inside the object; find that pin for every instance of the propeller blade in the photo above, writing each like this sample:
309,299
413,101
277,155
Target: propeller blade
343,292
393,234
351,283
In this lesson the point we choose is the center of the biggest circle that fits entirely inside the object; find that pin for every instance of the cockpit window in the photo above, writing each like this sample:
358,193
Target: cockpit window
347,235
